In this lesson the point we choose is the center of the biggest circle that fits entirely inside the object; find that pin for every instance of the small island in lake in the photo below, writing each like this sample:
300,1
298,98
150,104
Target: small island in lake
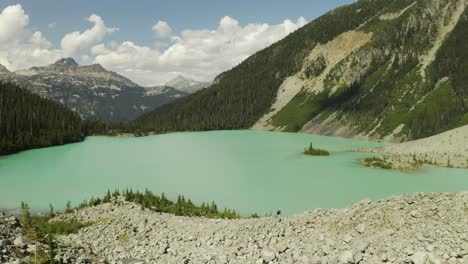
315,152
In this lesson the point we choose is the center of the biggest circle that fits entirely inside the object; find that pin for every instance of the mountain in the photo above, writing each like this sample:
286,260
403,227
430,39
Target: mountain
92,91
393,70
164,90
4,70
29,121
186,85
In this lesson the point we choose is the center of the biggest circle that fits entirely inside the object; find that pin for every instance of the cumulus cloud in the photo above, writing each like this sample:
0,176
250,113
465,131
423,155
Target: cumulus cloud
19,47
162,29
75,41
198,54
13,22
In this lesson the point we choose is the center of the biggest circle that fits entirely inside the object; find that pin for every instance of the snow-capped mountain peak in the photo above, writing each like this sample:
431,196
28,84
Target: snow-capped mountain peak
4,69
186,85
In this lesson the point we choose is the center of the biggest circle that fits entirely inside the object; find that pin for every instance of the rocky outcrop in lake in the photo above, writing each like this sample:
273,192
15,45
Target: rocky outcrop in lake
417,228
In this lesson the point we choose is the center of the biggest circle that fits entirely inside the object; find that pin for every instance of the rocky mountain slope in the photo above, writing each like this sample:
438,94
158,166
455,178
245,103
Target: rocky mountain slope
376,69
186,85
417,228
92,91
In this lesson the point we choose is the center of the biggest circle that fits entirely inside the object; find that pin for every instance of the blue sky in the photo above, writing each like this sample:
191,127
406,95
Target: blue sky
135,19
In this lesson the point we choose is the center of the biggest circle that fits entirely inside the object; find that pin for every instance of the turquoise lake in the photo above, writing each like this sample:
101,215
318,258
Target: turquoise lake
249,171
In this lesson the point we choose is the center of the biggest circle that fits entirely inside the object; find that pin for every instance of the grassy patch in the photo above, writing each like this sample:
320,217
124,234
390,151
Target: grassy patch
300,110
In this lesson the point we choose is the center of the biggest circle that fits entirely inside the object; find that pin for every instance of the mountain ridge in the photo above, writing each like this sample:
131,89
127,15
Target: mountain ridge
382,70
91,90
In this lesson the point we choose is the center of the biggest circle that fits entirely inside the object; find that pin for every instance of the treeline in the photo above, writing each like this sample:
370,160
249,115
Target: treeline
98,127
148,200
29,121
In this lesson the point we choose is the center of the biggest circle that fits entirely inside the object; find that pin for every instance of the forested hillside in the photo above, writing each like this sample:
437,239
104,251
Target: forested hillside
239,97
385,69
28,121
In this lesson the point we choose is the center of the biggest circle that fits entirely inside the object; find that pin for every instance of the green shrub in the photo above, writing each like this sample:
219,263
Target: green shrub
375,162
315,152
182,206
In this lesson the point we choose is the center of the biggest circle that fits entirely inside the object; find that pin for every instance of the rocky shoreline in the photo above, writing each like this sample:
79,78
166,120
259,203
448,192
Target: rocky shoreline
418,228
448,149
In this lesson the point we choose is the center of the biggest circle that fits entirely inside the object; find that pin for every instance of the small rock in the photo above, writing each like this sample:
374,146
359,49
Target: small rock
347,238
419,257
434,259
366,201
31,248
415,214
361,228
346,257
430,248
268,255
384,257
19,241
282,247
315,260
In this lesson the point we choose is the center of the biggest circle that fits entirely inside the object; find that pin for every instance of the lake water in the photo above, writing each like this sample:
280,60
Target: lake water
249,171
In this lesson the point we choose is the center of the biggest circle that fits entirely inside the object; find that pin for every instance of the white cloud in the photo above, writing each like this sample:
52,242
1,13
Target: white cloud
198,54
13,22
162,29
19,47
76,41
